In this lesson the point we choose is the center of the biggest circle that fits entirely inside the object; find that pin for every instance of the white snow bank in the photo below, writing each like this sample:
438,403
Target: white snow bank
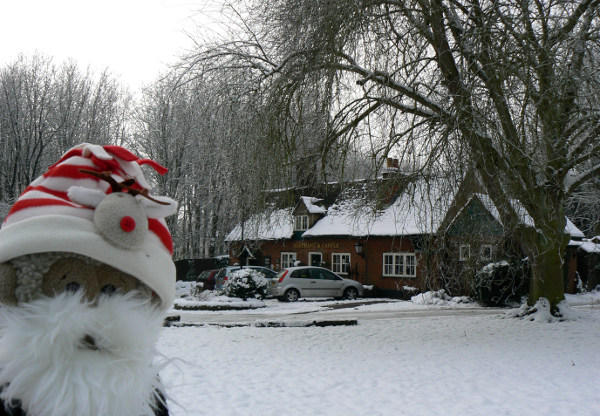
587,298
439,298
183,288
541,312
210,298
418,366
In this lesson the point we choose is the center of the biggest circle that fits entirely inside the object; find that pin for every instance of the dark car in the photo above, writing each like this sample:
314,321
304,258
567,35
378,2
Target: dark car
208,278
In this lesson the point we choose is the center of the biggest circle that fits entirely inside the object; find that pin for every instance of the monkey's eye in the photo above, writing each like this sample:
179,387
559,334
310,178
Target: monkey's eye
108,290
72,287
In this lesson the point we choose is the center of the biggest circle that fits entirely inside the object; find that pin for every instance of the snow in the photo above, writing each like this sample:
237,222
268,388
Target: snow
221,301
418,210
273,225
414,360
311,205
573,231
590,246
438,298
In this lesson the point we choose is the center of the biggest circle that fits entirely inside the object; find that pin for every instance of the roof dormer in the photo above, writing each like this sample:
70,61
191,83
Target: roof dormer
308,211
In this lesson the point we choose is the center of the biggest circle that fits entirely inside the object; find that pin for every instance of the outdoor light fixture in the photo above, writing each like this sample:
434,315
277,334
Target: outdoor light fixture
359,248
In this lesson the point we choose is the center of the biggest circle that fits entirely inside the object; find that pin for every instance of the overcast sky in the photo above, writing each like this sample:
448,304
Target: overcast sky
136,39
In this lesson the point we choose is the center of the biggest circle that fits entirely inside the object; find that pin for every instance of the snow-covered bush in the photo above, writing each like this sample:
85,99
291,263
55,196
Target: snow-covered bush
247,284
197,290
498,283
439,298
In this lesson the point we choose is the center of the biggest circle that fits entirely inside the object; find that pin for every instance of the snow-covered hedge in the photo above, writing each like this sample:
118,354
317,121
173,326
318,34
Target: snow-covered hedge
247,284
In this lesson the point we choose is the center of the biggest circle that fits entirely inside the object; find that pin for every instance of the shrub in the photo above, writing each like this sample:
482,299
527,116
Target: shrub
499,283
247,283
197,290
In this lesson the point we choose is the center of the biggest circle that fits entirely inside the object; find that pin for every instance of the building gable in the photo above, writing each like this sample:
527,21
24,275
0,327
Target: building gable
475,219
479,203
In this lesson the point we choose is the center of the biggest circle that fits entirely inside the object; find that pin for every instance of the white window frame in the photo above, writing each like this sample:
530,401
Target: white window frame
464,252
482,255
300,222
399,264
287,259
337,263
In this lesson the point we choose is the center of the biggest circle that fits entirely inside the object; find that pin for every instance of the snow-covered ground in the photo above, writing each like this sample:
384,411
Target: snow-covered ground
453,364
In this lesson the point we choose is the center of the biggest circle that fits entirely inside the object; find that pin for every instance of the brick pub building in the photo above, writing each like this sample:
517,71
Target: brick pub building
378,232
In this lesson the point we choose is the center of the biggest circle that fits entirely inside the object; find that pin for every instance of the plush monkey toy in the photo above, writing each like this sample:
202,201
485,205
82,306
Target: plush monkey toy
86,274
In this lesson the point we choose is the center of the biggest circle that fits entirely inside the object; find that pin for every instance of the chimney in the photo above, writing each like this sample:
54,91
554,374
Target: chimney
394,179
391,169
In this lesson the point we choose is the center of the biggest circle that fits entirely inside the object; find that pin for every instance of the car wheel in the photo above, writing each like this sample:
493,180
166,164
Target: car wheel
351,293
291,295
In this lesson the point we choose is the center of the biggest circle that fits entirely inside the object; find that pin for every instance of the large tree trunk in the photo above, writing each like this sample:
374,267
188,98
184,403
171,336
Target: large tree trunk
545,246
546,273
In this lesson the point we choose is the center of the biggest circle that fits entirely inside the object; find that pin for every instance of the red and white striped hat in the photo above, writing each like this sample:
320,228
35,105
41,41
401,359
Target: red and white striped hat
77,206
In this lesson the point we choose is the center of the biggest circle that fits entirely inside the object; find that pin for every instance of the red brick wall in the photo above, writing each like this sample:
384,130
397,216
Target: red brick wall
368,269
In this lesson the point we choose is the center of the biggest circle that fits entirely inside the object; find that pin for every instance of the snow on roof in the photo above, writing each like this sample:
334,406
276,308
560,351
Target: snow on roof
418,210
274,225
524,216
572,229
589,246
311,205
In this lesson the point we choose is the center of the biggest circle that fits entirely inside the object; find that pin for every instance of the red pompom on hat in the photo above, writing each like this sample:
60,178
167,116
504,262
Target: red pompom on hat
95,202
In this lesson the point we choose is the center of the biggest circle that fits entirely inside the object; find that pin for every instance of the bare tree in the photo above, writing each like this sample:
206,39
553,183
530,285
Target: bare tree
511,85
45,109
208,128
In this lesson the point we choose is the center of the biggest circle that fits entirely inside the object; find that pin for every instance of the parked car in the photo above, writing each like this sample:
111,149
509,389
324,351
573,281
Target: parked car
309,281
207,277
225,272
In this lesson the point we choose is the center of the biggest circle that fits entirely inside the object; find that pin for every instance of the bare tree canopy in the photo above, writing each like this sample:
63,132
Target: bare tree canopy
45,109
508,87
209,129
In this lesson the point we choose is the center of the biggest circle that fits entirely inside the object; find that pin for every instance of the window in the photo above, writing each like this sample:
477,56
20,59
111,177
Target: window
340,263
486,252
399,265
410,265
322,274
301,223
301,274
287,259
464,252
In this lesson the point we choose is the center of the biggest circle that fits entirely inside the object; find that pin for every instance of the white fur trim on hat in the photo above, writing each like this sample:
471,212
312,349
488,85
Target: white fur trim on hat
150,263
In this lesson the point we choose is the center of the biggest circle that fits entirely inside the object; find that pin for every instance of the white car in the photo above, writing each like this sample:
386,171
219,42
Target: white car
308,281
